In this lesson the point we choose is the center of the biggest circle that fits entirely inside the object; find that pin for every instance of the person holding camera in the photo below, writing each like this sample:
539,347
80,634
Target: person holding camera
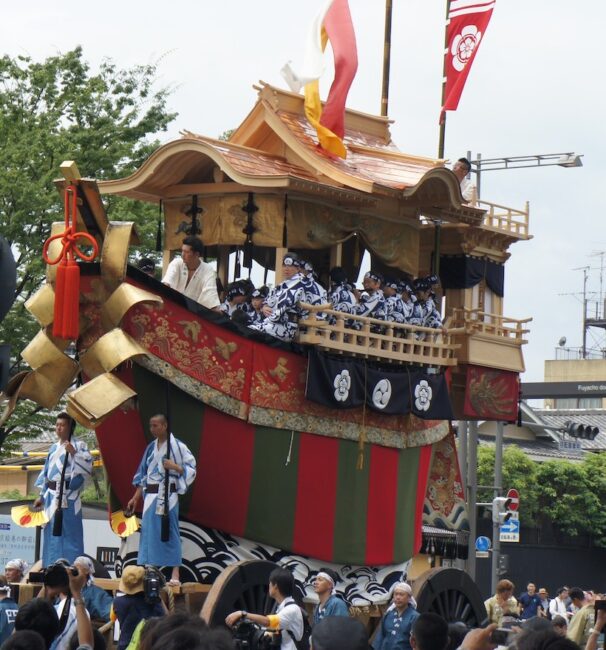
167,470
288,618
131,605
61,481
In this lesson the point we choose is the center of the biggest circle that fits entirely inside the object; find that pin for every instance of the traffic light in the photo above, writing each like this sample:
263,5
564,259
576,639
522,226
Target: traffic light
583,431
500,512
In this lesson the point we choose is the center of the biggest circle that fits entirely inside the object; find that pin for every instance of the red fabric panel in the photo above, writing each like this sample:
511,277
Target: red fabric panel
122,442
424,465
316,496
340,30
221,490
382,500
491,394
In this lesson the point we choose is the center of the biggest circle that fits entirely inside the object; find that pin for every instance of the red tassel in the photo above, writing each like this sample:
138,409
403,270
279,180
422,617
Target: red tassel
66,323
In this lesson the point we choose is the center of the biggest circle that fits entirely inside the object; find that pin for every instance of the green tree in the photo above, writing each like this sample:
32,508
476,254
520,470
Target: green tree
519,472
58,110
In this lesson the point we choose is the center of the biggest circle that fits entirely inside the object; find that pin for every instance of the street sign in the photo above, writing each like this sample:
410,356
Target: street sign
514,495
510,530
482,546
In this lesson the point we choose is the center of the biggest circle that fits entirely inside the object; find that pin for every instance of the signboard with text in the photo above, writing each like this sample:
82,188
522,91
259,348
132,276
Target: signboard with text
16,542
510,530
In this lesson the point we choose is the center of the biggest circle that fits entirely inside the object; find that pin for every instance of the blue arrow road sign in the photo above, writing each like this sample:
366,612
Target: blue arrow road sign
510,530
482,544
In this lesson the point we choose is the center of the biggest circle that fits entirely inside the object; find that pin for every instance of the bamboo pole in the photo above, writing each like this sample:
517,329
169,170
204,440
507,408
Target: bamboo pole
442,139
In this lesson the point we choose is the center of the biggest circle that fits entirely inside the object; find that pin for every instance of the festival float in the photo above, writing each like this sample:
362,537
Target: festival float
295,466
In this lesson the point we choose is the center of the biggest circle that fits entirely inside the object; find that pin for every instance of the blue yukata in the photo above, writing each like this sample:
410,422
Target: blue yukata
372,306
70,544
97,601
394,630
334,606
8,613
342,298
395,310
150,477
430,316
282,322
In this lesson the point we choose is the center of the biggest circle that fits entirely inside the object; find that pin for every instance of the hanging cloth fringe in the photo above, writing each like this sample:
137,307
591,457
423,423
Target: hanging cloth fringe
67,282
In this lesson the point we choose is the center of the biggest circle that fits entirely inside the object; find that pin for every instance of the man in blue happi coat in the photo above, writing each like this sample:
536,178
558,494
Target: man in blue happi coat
330,604
150,482
396,625
282,310
61,481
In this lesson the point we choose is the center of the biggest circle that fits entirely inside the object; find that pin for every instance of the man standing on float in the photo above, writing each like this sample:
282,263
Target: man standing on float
67,466
150,481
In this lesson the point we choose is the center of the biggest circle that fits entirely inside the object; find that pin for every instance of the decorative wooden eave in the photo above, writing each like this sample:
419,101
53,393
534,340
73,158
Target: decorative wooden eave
165,174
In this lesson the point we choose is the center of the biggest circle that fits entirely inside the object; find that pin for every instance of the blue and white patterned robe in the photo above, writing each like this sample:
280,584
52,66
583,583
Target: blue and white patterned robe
372,306
342,299
152,550
395,310
282,322
70,544
430,316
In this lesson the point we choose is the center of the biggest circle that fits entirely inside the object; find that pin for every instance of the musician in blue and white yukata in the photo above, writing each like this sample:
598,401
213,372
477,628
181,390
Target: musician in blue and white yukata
409,301
315,294
282,314
341,296
372,301
427,310
394,306
150,482
255,312
235,298
71,453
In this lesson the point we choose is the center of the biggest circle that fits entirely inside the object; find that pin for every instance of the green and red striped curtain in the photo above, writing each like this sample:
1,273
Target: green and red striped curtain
293,490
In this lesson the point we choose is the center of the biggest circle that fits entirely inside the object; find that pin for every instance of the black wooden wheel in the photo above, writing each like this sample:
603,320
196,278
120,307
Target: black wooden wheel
243,585
452,594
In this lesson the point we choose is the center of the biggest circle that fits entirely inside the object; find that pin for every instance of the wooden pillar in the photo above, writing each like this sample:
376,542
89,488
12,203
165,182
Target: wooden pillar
280,252
336,255
166,257
223,265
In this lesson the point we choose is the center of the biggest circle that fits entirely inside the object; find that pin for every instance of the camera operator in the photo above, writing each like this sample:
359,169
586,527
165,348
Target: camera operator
288,617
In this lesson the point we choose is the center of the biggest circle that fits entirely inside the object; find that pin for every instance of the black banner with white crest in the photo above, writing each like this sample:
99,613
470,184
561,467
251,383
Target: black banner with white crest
341,383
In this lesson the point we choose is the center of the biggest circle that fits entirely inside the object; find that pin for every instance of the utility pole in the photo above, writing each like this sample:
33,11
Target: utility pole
498,488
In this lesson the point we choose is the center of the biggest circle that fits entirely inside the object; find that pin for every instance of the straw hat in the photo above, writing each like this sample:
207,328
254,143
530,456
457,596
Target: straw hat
131,581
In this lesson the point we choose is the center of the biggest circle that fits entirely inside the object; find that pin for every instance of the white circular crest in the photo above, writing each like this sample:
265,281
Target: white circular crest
381,394
464,45
423,395
342,384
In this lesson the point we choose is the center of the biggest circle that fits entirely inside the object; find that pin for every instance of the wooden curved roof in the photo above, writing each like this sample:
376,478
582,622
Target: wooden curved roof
276,148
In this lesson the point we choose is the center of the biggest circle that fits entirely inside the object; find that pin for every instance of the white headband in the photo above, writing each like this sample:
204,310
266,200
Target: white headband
322,574
17,564
6,589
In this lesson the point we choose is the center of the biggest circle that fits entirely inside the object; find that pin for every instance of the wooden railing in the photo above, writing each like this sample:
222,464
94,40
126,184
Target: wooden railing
476,321
390,342
504,219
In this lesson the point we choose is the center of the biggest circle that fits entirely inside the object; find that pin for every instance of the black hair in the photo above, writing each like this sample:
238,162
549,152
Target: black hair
195,243
69,419
146,264
430,632
465,162
456,633
333,574
241,317
338,274
559,621
40,616
160,416
576,593
193,636
283,580
24,640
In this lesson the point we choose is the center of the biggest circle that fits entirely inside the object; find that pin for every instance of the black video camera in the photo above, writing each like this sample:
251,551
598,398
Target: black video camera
250,636
153,583
56,575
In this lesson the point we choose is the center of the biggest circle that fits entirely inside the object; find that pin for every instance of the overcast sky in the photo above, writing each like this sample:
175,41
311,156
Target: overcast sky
536,88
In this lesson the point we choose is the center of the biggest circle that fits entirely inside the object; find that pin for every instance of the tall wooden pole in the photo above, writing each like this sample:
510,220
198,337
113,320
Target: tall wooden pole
435,268
386,58
443,116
